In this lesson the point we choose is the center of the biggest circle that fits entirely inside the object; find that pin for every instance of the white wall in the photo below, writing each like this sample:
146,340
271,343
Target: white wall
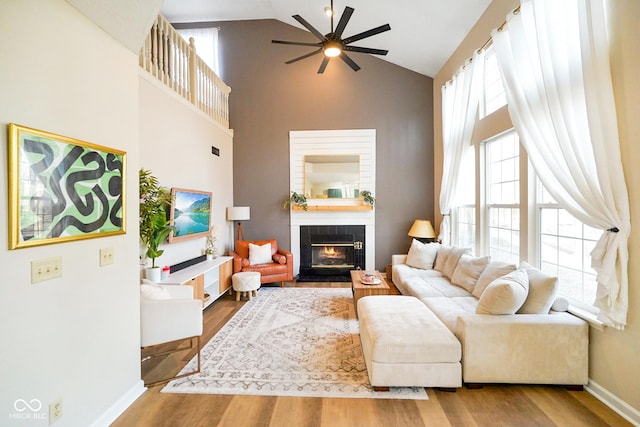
75,337
175,144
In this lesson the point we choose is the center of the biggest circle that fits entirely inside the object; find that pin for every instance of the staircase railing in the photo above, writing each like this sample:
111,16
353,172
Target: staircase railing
173,61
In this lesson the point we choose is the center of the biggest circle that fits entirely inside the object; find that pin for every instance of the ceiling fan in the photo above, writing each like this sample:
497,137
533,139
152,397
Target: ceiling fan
332,44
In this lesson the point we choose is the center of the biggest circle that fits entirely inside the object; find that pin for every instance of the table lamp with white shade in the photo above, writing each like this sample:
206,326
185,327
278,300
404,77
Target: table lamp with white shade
239,213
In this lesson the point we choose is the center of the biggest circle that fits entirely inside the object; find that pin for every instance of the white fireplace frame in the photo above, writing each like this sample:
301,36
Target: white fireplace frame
332,142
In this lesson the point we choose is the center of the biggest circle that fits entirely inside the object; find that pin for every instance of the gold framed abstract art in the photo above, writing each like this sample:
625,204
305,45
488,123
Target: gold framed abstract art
62,189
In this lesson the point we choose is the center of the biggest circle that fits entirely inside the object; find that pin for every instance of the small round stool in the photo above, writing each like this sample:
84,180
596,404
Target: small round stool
246,282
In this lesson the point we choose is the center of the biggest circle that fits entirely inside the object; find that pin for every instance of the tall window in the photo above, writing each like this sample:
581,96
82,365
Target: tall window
206,41
493,96
490,222
563,250
502,156
464,217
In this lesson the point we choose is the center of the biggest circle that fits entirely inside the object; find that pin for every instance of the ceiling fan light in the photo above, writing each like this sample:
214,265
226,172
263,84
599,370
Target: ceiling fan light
328,11
332,49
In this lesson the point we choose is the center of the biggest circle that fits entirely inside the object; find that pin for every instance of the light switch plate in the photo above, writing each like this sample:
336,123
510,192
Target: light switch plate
46,269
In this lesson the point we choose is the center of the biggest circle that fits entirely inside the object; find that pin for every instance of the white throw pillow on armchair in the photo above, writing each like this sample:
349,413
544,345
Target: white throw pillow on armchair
259,254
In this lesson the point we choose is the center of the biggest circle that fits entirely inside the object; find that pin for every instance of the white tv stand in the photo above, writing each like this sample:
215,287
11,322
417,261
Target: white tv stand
212,278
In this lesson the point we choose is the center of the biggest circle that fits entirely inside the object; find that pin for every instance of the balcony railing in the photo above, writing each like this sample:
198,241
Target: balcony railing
173,61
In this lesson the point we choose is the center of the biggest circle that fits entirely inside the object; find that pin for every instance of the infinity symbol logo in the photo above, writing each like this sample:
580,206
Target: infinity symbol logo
21,405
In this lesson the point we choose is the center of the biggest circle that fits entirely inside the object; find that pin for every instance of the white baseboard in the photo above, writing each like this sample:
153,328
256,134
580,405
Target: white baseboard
121,405
614,402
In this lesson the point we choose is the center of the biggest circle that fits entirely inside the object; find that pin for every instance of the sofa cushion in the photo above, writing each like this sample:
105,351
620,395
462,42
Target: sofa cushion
268,269
468,271
505,295
422,255
259,254
494,270
400,329
441,257
447,259
449,309
542,291
401,273
423,287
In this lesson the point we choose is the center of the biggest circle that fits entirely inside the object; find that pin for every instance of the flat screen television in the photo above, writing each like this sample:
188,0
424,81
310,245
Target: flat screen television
190,214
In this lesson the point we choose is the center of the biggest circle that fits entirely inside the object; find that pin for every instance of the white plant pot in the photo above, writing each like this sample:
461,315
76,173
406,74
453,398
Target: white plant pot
209,257
153,274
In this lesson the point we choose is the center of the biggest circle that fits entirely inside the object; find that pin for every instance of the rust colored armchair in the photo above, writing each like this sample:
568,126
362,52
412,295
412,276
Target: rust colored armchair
278,269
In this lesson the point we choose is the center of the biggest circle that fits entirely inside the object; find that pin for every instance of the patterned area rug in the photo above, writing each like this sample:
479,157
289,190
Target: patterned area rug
289,342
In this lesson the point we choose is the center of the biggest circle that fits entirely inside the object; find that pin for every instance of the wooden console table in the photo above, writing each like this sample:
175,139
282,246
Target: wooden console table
212,278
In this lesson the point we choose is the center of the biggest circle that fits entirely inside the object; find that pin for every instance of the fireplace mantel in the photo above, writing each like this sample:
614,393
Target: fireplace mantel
333,208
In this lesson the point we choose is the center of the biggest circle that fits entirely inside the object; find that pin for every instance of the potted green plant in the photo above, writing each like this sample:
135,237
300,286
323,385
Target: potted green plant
296,199
368,198
154,225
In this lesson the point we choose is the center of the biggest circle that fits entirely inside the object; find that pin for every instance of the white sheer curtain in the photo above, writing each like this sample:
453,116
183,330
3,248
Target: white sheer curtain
554,60
460,98
206,40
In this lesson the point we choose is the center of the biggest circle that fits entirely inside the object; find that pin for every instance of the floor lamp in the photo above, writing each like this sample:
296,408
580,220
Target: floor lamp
238,213
422,230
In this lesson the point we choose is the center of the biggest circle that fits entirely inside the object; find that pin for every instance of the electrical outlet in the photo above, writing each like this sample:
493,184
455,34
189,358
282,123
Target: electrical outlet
106,256
55,411
46,269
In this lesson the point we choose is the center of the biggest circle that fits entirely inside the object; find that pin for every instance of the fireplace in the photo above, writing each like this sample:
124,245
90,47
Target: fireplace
329,252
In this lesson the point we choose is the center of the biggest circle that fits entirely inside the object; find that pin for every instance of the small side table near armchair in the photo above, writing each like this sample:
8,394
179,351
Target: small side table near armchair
254,256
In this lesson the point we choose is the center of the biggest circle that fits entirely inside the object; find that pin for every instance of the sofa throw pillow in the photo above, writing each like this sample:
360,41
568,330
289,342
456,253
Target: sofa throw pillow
441,258
505,295
422,255
560,304
259,254
494,270
148,291
452,260
468,271
542,291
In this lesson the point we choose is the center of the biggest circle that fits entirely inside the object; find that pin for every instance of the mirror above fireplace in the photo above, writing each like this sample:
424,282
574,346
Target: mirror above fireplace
332,176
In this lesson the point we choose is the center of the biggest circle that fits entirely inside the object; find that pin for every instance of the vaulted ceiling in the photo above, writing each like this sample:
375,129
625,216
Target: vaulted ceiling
424,33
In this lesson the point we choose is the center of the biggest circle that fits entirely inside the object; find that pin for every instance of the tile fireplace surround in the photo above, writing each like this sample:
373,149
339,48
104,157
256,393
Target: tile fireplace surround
361,142
329,252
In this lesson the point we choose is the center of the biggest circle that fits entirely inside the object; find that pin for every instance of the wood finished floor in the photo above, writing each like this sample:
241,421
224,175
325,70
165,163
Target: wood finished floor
493,405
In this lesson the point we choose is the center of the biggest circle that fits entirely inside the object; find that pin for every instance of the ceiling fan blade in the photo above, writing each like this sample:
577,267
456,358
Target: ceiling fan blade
315,52
344,19
296,43
309,27
366,50
364,35
350,62
323,65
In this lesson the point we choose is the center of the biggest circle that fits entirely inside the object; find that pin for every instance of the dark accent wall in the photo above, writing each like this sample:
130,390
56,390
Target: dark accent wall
270,98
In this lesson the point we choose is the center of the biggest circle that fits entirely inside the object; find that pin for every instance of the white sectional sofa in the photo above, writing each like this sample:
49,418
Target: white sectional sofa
501,314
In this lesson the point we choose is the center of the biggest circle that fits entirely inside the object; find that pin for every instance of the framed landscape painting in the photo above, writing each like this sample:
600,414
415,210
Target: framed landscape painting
62,189
190,214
